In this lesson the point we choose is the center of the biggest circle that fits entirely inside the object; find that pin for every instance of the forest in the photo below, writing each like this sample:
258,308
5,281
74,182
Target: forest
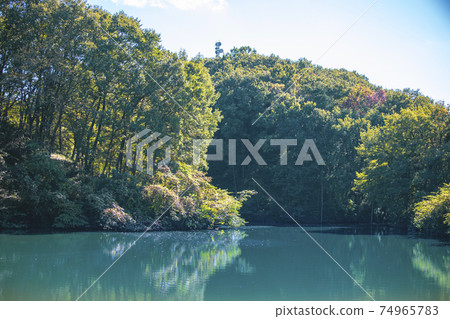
77,82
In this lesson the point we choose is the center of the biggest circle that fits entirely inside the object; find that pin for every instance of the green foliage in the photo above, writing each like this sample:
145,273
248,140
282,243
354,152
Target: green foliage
405,159
384,150
297,101
72,95
43,192
74,88
433,212
189,201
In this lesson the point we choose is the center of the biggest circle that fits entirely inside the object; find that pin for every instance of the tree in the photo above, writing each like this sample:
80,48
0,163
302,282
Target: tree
433,212
405,159
76,82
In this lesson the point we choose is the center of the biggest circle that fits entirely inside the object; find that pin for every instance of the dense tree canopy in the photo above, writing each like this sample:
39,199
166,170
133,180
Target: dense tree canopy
357,127
77,82
433,213
405,159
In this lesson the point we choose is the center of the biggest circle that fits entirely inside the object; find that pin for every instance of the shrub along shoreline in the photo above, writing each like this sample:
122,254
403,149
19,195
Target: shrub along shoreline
47,192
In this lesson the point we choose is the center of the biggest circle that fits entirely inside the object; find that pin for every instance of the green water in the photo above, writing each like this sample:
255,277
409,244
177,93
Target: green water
254,263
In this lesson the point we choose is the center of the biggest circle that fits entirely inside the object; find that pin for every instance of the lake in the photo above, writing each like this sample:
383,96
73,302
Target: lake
250,263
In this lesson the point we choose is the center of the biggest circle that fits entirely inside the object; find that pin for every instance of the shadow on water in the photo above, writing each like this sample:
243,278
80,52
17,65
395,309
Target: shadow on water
378,230
255,263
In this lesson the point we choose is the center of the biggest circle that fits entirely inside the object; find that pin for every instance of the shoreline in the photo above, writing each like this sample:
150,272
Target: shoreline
344,228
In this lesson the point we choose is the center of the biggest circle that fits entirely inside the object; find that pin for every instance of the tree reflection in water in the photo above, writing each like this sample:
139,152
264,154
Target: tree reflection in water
271,263
161,266
183,272
436,269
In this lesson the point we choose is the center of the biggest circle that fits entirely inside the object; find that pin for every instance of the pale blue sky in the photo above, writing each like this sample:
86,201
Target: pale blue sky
396,44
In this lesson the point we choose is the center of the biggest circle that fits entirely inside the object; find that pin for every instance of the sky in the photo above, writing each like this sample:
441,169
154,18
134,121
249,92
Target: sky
395,43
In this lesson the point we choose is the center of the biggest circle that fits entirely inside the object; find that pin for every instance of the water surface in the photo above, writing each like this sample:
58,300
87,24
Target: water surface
253,263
